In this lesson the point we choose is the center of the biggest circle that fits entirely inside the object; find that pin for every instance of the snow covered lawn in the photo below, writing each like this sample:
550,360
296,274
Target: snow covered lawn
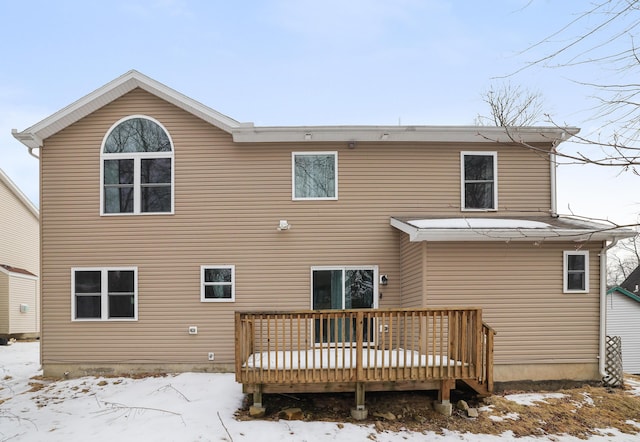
184,407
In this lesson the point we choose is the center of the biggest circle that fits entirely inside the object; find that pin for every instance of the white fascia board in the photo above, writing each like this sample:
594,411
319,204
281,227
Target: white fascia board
32,137
441,134
520,234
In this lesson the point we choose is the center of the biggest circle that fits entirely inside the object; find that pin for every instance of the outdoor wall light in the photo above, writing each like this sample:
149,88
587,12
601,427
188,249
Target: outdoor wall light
352,145
284,225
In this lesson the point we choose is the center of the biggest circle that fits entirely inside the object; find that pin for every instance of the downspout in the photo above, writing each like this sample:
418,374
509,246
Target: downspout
552,174
603,307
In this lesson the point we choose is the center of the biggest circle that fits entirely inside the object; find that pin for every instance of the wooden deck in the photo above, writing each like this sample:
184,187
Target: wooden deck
354,350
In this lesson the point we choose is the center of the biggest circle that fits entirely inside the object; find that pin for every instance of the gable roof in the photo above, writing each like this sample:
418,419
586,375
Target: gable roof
19,195
33,136
632,281
623,292
8,269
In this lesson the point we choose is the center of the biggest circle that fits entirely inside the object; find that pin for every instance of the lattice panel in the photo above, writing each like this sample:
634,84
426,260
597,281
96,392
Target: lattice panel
613,363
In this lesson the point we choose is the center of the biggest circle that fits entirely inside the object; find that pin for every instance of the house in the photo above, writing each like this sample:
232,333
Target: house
19,263
623,311
163,220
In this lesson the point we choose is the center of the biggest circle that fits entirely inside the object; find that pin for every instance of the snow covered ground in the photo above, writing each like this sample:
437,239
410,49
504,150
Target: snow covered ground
185,407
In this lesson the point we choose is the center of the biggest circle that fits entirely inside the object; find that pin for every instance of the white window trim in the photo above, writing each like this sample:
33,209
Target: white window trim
293,176
493,154
233,283
136,157
565,271
345,268
104,295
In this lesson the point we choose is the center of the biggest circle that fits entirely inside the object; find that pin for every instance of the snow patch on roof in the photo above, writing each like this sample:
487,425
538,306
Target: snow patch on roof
477,223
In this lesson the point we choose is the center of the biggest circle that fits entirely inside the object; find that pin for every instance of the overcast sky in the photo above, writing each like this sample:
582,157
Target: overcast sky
302,62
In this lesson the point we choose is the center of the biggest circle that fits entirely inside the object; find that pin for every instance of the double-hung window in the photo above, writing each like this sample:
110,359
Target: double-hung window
136,168
315,175
104,294
479,188
576,272
217,283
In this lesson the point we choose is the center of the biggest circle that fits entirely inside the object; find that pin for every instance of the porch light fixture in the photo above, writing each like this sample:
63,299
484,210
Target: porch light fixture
284,225
352,145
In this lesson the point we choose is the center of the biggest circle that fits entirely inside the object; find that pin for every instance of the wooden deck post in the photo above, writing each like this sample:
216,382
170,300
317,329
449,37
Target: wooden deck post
489,357
443,406
360,412
257,410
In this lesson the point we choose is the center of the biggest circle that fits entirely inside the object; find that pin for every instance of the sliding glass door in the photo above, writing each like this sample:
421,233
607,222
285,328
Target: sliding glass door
339,288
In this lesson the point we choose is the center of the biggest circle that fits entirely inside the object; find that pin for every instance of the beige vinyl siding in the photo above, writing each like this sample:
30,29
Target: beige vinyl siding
228,201
535,321
4,303
412,263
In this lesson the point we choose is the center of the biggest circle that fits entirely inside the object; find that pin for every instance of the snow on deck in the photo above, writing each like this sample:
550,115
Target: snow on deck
336,358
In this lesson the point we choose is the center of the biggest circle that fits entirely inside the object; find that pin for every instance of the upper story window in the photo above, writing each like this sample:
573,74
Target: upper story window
576,272
137,168
479,180
315,175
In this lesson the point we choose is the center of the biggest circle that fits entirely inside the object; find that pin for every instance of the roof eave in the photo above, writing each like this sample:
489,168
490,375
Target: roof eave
508,235
623,291
441,134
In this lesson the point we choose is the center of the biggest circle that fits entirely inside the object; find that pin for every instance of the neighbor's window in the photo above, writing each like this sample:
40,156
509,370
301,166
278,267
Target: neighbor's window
137,168
315,175
479,180
103,294
217,283
576,272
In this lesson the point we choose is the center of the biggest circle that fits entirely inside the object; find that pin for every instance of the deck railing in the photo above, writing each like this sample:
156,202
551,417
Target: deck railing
383,345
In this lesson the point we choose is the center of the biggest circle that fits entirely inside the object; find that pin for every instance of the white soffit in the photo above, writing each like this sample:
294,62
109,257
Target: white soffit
504,229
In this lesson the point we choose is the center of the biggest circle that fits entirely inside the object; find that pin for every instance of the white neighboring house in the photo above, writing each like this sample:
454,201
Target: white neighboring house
19,262
623,313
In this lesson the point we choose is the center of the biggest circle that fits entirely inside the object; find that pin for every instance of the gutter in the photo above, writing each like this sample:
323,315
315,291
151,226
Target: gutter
32,141
603,307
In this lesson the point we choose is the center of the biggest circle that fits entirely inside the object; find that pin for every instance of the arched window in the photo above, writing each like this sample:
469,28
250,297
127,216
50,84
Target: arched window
137,168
